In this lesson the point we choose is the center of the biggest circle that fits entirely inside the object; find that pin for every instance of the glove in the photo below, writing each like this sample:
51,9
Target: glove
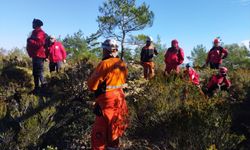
97,110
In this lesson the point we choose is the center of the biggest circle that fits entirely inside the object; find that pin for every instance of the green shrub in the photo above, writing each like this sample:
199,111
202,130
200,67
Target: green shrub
165,112
18,75
173,114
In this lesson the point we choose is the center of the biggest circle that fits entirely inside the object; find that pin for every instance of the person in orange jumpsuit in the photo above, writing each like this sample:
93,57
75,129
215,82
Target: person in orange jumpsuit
147,54
111,111
173,58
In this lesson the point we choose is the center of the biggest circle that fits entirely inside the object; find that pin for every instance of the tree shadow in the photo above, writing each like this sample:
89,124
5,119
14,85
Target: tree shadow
9,122
241,120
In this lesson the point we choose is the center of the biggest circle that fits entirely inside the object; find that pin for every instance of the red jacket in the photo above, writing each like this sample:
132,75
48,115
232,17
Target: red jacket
174,56
193,76
218,80
216,54
35,43
56,52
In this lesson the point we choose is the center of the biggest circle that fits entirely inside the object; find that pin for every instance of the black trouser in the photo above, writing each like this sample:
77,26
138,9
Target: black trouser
38,71
55,66
214,65
210,91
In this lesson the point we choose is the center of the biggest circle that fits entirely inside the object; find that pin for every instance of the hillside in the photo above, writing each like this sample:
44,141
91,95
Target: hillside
165,112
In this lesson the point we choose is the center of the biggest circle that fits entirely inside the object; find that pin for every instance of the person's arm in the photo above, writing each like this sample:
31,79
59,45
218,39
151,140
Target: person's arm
142,54
192,74
29,48
227,82
97,77
224,53
166,56
155,51
211,82
47,53
180,56
64,54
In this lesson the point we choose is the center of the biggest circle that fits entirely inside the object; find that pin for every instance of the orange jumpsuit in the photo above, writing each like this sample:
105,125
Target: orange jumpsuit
114,119
148,69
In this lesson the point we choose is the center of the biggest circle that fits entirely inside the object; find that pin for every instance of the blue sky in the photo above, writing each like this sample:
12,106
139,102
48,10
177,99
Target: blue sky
192,22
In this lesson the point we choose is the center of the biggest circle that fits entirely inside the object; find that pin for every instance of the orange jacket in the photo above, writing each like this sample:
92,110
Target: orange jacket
112,71
113,122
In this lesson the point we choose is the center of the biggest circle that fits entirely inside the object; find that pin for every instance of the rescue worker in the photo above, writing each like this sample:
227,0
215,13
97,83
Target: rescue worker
173,58
147,54
192,75
111,111
218,81
56,54
216,54
36,50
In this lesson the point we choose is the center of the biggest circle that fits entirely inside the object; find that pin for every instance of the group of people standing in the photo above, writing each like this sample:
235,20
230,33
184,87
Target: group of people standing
109,77
40,48
174,57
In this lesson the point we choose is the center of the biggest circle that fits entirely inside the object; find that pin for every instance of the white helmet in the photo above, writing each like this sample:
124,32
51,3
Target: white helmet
149,39
110,44
52,38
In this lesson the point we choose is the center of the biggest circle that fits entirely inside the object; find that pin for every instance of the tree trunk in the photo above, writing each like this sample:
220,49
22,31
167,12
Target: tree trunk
122,44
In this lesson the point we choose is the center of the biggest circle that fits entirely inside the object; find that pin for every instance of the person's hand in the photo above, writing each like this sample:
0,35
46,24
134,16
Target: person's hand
47,60
64,61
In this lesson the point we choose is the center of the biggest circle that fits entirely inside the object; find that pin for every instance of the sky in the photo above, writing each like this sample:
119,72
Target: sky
191,22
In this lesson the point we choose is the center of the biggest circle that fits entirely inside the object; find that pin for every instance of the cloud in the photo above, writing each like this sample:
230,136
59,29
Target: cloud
241,2
245,2
246,43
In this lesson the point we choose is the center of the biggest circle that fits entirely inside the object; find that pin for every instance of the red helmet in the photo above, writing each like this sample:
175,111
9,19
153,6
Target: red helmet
174,42
223,70
216,41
